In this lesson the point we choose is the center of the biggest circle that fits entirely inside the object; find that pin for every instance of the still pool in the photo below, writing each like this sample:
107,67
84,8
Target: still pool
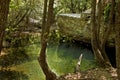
61,59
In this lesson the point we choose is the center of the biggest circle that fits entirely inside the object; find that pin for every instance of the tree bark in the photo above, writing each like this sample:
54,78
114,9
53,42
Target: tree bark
101,41
107,32
117,38
98,43
44,40
44,15
94,38
4,9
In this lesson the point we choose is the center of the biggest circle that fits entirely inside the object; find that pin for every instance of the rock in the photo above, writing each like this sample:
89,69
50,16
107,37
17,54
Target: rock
77,26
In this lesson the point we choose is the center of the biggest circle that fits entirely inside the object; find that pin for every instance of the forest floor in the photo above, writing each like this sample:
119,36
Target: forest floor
93,74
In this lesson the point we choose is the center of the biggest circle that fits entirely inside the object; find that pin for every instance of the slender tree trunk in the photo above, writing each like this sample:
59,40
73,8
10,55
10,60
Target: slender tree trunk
44,39
99,17
107,32
44,15
117,39
98,43
94,37
4,9
44,19
101,41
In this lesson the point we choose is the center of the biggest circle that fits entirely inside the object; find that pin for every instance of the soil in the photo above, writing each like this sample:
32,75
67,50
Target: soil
92,74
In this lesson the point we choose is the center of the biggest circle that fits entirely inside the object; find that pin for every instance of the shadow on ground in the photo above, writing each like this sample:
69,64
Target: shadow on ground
12,75
15,57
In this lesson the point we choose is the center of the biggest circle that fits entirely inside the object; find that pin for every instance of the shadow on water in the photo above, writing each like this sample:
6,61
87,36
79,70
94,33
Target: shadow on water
75,50
65,57
12,75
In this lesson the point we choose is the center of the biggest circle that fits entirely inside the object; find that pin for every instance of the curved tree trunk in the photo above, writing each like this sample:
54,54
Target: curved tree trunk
4,9
44,39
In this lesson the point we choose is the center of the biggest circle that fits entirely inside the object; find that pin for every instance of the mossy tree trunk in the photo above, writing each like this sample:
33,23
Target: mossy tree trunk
4,9
47,22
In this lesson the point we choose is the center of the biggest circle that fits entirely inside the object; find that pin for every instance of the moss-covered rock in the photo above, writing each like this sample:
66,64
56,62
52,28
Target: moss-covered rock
77,26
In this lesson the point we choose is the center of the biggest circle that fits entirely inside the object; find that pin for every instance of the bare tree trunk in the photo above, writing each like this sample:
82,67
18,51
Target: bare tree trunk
107,32
44,15
94,37
98,19
98,43
44,39
117,39
99,24
4,9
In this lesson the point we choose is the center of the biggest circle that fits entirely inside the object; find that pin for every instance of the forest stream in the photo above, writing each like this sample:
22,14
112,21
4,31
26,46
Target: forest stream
62,59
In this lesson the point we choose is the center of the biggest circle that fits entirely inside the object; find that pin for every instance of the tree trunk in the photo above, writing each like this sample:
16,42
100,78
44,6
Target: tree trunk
117,39
107,32
94,37
98,43
44,15
4,9
44,39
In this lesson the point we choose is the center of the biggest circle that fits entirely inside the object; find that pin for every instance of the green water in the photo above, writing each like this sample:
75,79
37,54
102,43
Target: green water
61,59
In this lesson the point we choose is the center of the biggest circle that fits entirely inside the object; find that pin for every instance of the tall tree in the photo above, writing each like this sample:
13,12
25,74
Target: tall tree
94,37
111,20
44,40
98,43
117,39
44,18
4,9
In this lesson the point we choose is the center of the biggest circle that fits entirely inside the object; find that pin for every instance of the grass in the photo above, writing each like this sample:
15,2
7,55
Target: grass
61,60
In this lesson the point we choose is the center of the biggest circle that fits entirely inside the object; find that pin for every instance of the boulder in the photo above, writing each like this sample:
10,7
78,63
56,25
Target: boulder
77,26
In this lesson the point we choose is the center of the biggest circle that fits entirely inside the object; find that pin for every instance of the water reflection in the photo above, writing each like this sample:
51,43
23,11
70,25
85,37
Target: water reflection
68,56
12,75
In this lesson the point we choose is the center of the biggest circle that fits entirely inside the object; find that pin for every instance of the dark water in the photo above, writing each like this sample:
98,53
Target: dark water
61,59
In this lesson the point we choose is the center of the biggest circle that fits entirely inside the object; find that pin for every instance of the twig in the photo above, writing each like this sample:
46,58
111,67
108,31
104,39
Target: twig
78,64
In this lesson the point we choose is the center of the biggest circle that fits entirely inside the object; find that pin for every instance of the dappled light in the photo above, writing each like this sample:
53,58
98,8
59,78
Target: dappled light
59,40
